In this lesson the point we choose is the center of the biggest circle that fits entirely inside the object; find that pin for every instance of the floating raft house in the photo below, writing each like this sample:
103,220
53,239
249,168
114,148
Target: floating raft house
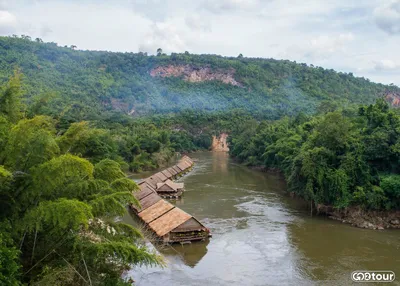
169,223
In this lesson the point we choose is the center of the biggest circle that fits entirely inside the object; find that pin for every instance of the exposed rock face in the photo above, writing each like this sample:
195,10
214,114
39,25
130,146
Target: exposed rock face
194,74
393,98
219,144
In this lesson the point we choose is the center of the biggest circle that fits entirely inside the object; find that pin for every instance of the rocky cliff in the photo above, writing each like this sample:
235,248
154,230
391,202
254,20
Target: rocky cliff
393,98
219,144
196,74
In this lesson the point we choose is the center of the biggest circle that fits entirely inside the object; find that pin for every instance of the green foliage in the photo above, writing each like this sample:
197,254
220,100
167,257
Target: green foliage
9,265
5,127
10,99
108,170
6,196
62,214
30,142
55,175
391,186
124,185
331,158
92,143
61,207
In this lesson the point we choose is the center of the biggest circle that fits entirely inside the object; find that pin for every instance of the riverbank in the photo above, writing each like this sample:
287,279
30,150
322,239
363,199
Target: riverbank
358,217
355,216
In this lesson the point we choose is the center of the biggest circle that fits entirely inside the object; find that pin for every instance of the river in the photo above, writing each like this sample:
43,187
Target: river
261,236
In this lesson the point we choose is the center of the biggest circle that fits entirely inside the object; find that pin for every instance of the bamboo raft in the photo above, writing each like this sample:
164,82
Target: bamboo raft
169,223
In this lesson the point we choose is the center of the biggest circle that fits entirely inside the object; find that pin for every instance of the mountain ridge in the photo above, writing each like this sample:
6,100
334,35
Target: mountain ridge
137,84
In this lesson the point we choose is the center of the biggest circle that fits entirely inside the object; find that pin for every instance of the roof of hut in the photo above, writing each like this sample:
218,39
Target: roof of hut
167,173
148,201
177,169
188,163
161,176
189,225
172,185
145,190
155,211
169,221
153,180
183,165
172,171
187,159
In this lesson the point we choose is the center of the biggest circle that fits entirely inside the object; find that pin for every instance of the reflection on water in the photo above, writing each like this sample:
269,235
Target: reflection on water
189,254
263,237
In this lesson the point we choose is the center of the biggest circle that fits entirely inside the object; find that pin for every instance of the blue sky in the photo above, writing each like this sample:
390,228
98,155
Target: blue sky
362,36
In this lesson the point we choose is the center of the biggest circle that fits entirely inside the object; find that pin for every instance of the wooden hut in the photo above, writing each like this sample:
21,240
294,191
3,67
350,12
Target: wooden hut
170,189
178,171
167,173
161,176
169,223
178,226
172,171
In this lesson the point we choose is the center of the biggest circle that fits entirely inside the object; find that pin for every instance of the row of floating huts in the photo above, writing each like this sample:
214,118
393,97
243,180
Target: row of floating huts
169,223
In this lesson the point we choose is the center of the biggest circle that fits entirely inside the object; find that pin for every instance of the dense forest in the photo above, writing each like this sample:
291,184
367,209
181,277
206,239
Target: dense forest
342,158
84,85
60,193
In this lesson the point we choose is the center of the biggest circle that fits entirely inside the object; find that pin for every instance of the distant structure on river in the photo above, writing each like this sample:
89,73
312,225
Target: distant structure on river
169,223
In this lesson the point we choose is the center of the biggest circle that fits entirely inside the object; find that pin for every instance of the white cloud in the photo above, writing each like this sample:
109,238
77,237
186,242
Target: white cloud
87,25
320,48
4,4
165,35
8,22
331,44
218,6
196,22
387,17
386,65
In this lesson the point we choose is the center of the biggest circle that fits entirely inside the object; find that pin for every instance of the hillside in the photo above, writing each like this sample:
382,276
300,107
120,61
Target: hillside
135,83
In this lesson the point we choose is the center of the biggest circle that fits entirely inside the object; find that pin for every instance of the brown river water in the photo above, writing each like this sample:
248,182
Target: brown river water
261,236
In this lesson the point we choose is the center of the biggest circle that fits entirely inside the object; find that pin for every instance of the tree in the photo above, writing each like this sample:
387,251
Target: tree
30,143
159,52
10,99
67,217
9,265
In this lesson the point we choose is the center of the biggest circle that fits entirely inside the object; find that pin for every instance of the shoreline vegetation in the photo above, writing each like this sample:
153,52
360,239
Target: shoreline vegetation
344,163
355,216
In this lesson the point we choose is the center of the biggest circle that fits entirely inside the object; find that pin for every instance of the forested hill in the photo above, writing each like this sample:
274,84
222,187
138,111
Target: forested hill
135,83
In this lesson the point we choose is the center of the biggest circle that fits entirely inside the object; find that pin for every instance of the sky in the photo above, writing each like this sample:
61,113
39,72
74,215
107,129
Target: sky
358,36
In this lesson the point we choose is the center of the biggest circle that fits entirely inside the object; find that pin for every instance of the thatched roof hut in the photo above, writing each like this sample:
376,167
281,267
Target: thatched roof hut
169,187
167,173
172,171
177,169
168,222
161,176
